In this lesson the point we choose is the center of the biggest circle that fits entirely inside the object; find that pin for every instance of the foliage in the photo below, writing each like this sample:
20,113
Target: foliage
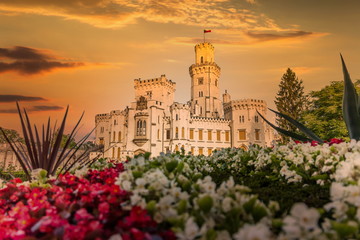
324,115
299,191
13,135
290,100
73,208
44,151
350,109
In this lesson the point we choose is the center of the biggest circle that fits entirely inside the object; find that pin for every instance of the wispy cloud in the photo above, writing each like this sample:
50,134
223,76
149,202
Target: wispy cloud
29,61
38,108
120,13
18,98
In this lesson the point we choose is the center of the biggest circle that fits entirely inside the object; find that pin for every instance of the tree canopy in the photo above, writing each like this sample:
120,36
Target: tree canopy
324,115
290,100
11,134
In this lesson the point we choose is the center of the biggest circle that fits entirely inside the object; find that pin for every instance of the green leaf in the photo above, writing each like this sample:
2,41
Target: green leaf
170,166
205,203
344,230
258,213
285,132
350,105
300,126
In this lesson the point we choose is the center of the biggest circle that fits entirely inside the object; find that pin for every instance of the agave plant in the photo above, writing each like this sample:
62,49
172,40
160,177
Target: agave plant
351,114
44,151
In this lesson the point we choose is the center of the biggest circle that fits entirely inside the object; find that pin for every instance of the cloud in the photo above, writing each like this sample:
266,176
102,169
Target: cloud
242,38
39,108
120,13
281,35
29,61
15,98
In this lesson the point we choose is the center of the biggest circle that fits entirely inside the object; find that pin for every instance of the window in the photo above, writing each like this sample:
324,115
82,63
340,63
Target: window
257,134
114,135
216,82
101,141
209,151
201,94
202,59
200,110
200,134
158,134
201,151
119,136
141,128
176,132
183,133
192,150
256,118
218,135
191,134
118,153
242,134
227,136
101,129
167,133
241,119
149,94
177,117
113,152
176,148
201,81
209,135
115,122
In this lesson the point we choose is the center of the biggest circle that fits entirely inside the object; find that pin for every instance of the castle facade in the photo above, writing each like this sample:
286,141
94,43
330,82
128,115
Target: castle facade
155,123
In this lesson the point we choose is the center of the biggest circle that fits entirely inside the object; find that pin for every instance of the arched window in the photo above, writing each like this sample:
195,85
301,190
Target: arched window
118,153
216,82
177,117
158,134
115,123
183,133
114,135
143,128
119,136
176,132
202,59
138,128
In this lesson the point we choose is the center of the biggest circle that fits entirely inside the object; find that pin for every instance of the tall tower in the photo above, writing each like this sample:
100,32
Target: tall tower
205,73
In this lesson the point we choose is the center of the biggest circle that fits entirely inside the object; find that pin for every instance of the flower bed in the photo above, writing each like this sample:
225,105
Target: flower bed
294,191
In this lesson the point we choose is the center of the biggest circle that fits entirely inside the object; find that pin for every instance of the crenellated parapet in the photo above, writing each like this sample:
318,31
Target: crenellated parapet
102,117
153,82
201,68
179,106
245,104
209,120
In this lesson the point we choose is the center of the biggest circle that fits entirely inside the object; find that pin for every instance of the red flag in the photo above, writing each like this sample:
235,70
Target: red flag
207,31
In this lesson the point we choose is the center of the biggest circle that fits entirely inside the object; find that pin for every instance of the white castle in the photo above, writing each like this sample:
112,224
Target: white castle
155,123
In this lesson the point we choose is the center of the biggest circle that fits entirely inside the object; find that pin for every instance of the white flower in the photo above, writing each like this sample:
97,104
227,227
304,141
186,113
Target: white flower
190,232
226,204
253,232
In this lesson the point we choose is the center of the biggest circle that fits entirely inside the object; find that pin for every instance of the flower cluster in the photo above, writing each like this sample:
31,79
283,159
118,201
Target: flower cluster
74,208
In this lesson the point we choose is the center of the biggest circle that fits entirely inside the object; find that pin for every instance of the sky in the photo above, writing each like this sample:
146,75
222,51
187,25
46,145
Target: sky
86,53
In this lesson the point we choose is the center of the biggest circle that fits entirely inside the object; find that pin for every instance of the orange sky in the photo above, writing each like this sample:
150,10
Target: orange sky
86,53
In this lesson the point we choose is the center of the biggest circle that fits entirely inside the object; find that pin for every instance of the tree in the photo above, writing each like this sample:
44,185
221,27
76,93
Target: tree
290,100
11,134
324,116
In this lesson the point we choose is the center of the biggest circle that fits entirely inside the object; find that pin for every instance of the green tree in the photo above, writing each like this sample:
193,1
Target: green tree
11,134
324,116
290,100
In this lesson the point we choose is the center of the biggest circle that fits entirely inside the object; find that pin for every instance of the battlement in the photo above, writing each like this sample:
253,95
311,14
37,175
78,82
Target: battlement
162,80
102,117
200,68
204,45
180,106
241,104
207,119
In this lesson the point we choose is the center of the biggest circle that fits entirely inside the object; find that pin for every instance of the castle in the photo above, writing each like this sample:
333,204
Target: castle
155,123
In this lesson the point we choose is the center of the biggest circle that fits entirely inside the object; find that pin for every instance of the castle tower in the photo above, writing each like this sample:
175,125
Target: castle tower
205,73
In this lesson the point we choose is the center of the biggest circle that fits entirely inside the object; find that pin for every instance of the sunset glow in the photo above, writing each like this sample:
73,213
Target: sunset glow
86,54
